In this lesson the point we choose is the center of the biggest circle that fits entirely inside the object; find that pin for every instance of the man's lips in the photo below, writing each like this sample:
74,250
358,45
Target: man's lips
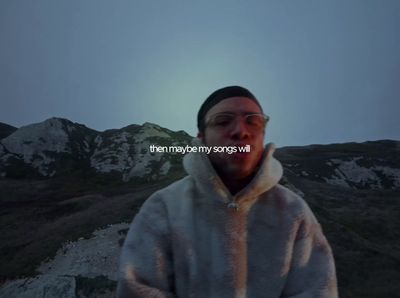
238,155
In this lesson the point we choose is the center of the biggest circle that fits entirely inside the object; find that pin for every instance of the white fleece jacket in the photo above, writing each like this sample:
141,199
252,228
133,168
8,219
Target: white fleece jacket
187,242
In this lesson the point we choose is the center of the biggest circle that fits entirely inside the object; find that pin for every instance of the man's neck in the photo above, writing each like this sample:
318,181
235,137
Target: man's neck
235,185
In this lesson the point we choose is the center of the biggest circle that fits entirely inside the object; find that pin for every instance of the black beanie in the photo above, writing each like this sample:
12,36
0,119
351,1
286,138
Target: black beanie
219,95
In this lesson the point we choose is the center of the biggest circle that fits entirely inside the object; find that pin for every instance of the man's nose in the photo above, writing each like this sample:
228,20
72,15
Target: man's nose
240,130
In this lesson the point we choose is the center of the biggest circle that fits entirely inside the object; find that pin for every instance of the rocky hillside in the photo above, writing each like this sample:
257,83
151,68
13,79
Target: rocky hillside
354,190
68,193
369,165
58,147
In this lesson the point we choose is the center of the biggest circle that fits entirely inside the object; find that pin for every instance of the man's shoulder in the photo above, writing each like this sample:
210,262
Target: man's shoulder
162,199
286,194
180,185
173,190
288,200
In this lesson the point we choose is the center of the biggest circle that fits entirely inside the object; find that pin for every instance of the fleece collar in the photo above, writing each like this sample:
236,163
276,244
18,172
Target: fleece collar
199,166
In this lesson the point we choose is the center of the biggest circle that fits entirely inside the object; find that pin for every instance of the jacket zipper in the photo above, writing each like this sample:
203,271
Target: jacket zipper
233,205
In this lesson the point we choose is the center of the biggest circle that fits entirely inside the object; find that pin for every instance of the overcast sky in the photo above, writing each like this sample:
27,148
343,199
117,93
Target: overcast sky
324,71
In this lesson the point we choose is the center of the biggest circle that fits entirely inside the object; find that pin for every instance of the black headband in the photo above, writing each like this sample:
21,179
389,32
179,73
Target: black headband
219,95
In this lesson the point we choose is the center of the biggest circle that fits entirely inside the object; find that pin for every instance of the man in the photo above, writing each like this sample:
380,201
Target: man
228,229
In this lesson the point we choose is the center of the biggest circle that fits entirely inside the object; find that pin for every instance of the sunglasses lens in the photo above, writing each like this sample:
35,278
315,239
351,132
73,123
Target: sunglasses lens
255,120
225,120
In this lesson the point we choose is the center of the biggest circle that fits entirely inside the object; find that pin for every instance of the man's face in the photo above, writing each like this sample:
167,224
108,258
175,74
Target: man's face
240,132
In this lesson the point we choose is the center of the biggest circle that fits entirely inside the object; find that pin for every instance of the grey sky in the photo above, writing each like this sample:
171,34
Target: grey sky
325,71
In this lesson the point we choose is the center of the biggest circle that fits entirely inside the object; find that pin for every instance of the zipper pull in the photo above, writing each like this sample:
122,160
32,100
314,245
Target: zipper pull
233,205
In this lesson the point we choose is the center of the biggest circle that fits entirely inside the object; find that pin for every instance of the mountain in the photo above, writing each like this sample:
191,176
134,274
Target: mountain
126,151
369,165
43,149
59,147
68,193
6,130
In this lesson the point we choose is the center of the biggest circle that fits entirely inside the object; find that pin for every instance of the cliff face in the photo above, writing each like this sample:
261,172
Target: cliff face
369,165
68,194
58,147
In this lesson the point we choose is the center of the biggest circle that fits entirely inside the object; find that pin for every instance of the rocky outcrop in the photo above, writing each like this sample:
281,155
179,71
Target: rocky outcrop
59,147
90,258
126,151
369,165
41,286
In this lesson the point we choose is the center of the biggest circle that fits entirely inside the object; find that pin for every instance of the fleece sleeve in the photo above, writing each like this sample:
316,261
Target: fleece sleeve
312,270
146,262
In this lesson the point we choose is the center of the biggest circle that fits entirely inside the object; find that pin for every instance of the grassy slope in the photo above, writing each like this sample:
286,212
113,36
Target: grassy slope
37,216
362,228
